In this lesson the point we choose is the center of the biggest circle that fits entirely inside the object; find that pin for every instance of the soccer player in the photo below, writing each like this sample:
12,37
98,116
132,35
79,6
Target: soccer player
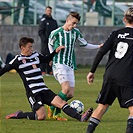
27,64
118,77
63,62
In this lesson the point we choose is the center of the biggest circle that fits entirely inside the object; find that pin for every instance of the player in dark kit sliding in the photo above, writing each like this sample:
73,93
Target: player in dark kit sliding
27,64
118,77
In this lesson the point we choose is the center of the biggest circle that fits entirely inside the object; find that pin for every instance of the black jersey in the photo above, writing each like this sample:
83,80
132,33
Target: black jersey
119,68
29,70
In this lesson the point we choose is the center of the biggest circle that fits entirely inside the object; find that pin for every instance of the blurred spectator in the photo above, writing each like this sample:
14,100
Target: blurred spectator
102,8
90,4
22,4
46,25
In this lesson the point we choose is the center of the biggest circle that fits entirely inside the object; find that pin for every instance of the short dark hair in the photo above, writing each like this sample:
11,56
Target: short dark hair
75,15
49,7
24,40
129,15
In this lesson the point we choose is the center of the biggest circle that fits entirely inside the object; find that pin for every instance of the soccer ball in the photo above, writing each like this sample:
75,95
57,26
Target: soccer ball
77,105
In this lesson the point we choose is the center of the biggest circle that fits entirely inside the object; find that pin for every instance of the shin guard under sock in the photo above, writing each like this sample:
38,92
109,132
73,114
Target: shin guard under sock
92,125
71,112
129,128
28,115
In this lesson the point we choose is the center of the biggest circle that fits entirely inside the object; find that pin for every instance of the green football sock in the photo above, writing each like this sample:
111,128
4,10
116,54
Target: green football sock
68,98
63,97
52,108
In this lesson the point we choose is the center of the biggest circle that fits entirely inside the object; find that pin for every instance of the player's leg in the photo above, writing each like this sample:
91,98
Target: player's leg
129,104
20,115
60,73
37,105
69,85
58,102
67,81
63,94
38,112
125,98
129,128
41,113
57,114
105,98
96,117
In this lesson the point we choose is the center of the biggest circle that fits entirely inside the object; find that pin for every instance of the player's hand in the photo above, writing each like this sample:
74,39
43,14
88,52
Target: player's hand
59,48
100,45
50,63
90,78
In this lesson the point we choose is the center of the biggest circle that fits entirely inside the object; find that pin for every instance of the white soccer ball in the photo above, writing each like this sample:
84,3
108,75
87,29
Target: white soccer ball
77,105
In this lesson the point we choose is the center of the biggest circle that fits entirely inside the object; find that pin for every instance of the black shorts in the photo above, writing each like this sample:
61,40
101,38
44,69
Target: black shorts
110,91
41,98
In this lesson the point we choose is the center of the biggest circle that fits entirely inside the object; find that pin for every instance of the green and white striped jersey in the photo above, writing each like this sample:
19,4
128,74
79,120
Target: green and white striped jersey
60,37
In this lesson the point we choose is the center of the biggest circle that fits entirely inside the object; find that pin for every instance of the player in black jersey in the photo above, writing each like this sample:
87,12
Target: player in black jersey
27,64
118,77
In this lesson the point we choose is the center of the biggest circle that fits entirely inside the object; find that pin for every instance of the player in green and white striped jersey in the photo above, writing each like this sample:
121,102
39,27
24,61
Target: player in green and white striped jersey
64,61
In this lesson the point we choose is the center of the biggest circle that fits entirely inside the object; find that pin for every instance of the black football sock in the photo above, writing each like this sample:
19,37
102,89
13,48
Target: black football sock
28,115
92,125
129,125
71,112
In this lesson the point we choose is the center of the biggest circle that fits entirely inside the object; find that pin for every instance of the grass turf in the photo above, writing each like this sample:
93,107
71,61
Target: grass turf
13,98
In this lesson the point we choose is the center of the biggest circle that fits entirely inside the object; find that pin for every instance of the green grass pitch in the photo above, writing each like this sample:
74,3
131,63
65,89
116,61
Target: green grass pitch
13,98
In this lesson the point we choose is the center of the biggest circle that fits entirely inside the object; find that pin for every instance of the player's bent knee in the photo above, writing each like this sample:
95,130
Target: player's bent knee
41,114
58,102
62,103
42,117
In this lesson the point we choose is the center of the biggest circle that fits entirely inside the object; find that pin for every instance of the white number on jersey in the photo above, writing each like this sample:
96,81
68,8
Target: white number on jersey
121,50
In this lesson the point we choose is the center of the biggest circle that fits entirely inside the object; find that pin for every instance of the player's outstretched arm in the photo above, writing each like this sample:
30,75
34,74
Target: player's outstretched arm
5,69
90,78
47,59
59,48
100,45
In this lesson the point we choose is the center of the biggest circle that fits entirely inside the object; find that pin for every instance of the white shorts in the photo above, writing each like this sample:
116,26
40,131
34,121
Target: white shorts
64,73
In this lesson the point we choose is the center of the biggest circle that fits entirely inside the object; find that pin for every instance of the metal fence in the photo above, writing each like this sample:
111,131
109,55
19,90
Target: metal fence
93,12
